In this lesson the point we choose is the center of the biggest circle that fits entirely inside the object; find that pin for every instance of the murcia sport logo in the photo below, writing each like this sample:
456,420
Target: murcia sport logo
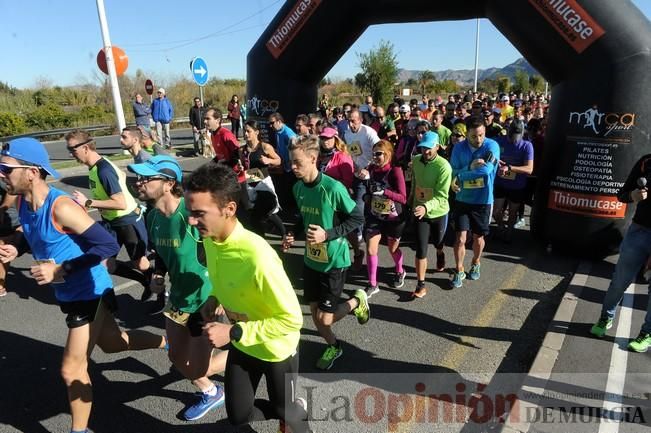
602,124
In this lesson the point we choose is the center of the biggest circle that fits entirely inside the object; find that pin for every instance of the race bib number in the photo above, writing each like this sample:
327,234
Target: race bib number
474,184
509,175
381,206
424,194
254,175
355,149
176,315
317,252
408,175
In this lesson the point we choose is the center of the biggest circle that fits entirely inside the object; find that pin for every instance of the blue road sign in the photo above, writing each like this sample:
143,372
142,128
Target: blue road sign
199,71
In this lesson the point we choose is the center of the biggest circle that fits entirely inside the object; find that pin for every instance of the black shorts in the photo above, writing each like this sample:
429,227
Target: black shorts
324,288
80,313
134,239
512,195
472,217
391,229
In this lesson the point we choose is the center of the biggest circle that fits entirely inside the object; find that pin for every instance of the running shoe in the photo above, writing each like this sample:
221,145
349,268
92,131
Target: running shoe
440,261
599,329
362,312
3,292
520,224
328,358
399,279
641,343
282,426
205,404
474,272
420,291
371,290
457,279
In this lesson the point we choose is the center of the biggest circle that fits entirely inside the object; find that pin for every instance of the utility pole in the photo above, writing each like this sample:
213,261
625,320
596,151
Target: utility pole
110,66
476,56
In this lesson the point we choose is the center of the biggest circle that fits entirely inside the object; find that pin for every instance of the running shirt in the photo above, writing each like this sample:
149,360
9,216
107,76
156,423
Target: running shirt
49,242
388,206
515,154
180,247
319,203
249,281
105,180
476,185
360,145
431,185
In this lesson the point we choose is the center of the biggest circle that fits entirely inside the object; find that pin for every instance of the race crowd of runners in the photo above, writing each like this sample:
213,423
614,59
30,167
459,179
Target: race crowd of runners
342,180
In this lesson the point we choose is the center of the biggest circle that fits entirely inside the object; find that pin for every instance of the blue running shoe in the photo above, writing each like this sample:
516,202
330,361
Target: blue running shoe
457,279
474,272
205,404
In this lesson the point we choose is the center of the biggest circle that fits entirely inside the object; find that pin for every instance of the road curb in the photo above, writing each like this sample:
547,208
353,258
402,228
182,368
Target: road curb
543,365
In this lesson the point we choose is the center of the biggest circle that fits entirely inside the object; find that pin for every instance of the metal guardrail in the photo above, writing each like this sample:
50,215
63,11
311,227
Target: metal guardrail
63,131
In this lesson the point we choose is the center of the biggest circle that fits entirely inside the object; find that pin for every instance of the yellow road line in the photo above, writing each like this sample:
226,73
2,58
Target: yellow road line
456,355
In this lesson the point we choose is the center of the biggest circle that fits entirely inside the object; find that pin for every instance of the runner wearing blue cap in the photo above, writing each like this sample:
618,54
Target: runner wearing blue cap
180,253
68,247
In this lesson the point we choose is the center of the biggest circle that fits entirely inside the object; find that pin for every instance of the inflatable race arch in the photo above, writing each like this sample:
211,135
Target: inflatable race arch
595,54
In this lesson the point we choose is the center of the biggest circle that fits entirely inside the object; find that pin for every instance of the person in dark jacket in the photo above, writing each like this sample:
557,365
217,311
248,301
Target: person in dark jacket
162,112
197,112
141,112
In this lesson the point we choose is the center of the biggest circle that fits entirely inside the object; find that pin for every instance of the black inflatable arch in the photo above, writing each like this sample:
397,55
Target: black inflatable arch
595,53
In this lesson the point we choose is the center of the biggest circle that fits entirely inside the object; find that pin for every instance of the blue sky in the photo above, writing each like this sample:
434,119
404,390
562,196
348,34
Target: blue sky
58,40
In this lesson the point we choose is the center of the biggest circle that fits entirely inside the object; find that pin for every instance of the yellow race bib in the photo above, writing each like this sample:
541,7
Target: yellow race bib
381,206
317,252
474,184
509,175
424,194
176,315
254,175
355,149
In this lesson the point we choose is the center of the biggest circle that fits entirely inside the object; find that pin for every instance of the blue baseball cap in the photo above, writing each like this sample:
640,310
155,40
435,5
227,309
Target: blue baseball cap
430,139
159,165
30,151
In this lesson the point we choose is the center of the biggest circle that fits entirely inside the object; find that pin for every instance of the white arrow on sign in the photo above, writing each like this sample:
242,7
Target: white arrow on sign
201,71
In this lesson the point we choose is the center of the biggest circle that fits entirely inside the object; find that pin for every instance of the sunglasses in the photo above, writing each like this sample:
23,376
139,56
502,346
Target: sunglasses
73,149
458,135
6,169
147,179
420,132
378,154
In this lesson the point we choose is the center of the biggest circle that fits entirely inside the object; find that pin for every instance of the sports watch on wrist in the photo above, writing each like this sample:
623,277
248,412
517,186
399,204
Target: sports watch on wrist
88,203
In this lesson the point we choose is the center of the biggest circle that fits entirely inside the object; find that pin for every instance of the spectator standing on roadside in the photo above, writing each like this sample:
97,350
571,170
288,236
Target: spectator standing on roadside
634,253
162,112
141,112
234,115
197,113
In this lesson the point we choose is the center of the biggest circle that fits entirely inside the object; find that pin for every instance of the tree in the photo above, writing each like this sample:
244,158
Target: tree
503,84
537,83
521,81
379,72
426,80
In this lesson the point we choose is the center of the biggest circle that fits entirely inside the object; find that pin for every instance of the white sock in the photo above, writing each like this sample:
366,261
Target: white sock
212,391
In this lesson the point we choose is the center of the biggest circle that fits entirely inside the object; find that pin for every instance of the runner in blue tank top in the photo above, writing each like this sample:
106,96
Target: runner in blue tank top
68,247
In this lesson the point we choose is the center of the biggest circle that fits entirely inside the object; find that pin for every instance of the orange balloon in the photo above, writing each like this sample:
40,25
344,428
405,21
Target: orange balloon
120,59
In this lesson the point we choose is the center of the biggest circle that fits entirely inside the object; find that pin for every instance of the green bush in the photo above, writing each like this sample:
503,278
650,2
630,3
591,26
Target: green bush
11,124
48,116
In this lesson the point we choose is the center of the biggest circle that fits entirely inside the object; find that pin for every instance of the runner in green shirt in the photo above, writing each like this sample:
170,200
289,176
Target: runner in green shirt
180,253
328,214
249,282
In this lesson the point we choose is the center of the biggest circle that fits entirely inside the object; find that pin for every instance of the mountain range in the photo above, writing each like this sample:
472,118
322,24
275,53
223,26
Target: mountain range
467,76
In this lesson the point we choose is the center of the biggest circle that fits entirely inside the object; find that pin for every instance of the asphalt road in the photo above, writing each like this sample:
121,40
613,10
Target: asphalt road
448,339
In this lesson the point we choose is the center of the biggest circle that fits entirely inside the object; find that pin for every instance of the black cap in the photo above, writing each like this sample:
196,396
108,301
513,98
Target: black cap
516,127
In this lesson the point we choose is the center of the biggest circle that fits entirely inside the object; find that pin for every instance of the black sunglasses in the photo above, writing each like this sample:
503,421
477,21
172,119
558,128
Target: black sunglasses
6,169
147,179
458,135
72,149
378,154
